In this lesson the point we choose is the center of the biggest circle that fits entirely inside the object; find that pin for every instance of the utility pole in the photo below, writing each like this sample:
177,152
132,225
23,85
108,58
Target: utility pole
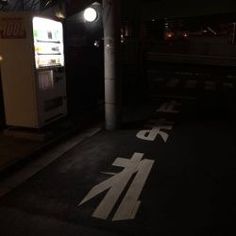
111,25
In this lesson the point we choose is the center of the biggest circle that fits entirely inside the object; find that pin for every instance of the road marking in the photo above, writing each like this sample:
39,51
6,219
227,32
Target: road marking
130,204
169,107
116,185
155,130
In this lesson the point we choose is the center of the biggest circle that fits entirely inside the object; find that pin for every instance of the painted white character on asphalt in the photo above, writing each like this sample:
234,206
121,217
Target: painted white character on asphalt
116,184
169,107
156,129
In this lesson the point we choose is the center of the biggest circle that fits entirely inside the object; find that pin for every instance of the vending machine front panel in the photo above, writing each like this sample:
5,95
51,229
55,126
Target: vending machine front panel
48,42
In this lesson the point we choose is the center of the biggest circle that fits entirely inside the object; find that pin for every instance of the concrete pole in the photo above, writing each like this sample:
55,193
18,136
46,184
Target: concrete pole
111,25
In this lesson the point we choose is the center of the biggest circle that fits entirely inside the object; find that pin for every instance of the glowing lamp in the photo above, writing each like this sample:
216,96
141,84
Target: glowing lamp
90,14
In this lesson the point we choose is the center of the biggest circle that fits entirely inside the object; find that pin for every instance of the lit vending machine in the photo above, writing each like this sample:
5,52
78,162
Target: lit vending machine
32,67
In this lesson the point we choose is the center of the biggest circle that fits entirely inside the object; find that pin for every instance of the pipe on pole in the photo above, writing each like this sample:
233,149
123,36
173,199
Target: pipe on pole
111,25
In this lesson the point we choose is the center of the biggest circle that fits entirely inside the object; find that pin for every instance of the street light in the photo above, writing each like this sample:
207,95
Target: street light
90,14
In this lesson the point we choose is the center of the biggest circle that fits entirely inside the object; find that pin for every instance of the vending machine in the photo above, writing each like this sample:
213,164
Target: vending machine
32,69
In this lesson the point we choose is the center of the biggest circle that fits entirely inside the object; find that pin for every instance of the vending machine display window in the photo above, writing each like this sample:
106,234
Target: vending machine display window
48,42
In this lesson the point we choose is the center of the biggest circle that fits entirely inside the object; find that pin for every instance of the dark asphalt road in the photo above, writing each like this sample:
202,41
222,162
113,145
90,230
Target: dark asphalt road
190,189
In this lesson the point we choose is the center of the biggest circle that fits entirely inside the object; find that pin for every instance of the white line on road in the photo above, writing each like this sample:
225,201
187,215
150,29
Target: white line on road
116,185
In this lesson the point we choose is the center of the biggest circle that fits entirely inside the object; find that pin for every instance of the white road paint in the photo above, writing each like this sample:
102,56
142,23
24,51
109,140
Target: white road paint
169,107
130,204
155,130
116,185
108,173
